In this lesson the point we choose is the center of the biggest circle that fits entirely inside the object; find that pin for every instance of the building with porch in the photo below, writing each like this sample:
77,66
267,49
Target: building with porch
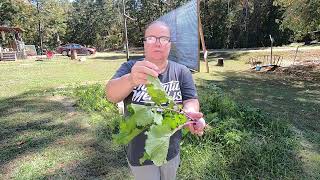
12,46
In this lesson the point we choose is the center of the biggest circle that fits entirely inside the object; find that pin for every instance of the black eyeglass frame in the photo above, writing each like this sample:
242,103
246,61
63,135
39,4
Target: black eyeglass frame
158,38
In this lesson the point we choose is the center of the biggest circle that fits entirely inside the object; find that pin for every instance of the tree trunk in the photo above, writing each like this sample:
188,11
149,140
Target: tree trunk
220,62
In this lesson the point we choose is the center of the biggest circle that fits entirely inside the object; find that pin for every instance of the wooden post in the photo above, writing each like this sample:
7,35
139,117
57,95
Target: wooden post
0,52
295,56
74,55
205,53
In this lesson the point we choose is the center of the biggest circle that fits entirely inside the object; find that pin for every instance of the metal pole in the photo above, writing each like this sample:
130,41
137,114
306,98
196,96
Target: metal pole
39,29
271,39
125,29
228,7
271,53
229,27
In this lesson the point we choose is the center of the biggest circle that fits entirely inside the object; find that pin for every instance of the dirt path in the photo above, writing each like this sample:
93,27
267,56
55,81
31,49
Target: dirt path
266,49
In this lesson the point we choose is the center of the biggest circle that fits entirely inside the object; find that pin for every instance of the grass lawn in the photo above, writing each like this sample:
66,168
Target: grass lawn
288,99
43,136
29,75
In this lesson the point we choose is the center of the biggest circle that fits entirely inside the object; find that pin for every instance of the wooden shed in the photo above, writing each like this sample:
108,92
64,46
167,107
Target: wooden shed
11,44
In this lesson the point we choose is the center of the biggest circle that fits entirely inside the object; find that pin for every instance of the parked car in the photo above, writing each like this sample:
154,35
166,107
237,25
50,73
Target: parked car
65,50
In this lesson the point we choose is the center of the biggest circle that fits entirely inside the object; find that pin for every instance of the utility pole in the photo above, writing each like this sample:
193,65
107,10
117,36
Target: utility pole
125,29
245,7
272,41
229,26
39,28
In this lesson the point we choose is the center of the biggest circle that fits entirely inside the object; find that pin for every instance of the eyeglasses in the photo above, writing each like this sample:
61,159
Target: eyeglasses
152,40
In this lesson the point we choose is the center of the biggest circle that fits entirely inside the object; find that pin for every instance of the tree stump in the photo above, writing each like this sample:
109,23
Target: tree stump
220,62
74,55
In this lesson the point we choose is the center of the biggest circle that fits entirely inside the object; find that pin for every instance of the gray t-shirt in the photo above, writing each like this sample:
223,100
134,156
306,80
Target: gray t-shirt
178,83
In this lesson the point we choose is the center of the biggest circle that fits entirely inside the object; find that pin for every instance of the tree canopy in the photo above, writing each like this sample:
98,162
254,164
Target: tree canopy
99,23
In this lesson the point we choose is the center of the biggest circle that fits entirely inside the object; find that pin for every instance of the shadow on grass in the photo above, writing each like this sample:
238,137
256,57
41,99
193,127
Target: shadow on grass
32,122
228,55
290,99
20,116
101,162
272,150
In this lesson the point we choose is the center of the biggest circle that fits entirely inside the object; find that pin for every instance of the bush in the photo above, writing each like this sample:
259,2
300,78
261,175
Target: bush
105,116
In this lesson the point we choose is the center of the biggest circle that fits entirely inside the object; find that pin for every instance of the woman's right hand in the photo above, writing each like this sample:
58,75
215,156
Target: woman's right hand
140,71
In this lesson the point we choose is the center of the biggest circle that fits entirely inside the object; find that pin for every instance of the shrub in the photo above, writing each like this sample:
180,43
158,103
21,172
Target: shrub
105,116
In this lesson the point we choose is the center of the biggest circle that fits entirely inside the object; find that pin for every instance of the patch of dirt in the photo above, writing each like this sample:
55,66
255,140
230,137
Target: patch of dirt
305,70
301,70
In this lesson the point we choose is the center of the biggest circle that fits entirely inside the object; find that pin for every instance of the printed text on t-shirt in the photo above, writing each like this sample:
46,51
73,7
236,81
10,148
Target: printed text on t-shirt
172,88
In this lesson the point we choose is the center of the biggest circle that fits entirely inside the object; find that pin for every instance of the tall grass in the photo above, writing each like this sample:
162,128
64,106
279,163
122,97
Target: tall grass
241,143
104,114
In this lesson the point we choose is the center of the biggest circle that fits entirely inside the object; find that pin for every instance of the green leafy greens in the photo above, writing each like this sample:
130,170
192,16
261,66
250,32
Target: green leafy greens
160,120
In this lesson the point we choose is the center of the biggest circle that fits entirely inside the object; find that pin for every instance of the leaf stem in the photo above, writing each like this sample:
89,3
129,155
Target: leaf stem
181,126
169,109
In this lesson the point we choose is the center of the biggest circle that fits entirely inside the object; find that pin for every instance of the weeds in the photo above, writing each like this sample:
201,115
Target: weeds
104,114
242,142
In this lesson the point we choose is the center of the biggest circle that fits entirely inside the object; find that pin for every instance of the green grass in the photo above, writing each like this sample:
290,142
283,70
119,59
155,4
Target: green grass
291,100
25,75
43,136
243,143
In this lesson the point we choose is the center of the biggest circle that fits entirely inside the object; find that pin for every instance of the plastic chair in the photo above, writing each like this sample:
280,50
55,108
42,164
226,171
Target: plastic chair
49,54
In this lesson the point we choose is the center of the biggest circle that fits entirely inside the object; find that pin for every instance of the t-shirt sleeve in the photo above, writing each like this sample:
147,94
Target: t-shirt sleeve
124,69
187,86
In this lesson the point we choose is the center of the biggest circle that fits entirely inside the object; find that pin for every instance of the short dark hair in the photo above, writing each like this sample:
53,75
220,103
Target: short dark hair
160,23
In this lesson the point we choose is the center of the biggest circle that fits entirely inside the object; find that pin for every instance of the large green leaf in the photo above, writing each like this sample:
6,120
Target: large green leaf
143,115
156,91
128,131
157,143
157,118
173,119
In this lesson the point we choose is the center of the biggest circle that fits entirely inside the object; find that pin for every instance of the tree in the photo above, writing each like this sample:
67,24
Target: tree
96,23
7,12
238,24
51,16
302,17
22,20
226,23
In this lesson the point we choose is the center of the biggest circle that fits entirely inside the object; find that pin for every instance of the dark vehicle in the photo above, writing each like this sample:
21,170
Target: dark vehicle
66,49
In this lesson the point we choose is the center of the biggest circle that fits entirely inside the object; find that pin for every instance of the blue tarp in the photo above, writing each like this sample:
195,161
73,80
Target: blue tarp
183,23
